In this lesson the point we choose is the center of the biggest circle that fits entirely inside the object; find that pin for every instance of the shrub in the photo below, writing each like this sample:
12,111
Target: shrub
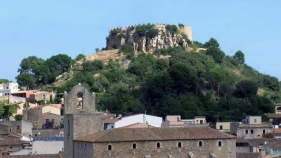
147,30
184,36
121,35
152,32
114,32
198,44
180,25
172,29
127,48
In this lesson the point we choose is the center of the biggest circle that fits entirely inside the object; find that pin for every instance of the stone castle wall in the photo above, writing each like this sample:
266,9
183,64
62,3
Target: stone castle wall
164,39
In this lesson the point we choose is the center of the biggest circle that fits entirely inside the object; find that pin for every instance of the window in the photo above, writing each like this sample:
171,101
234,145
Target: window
252,131
134,146
219,143
246,131
10,130
200,143
109,147
179,144
221,127
263,131
158,145
201,121
255,120
18,127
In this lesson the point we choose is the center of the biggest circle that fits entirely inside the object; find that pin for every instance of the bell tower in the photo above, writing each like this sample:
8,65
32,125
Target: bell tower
80,118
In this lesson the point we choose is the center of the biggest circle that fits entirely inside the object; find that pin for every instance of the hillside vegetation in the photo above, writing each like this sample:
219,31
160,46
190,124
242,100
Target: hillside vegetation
188,83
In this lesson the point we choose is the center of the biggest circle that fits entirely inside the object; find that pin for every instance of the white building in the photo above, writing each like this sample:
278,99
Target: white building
8,88
150,120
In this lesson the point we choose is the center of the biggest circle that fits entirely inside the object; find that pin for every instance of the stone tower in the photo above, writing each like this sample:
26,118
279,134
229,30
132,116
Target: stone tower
80,118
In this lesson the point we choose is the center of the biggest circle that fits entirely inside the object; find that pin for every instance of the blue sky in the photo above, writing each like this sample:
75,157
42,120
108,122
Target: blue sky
46,28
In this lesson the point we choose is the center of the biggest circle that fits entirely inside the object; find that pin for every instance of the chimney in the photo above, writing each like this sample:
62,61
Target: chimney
261,153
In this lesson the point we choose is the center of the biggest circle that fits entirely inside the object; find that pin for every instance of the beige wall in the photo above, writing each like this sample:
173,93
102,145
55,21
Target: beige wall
276,110
125,150
257,132
253,119
50,109
47,147
225,126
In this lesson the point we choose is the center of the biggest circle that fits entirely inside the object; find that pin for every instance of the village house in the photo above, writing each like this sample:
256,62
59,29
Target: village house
8,88
223,126
176,121
203,142
252,127
117,122
43,116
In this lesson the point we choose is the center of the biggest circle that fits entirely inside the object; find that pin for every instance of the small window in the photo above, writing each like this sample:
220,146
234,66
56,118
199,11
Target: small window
221,127
134,146
179,144
200,143
158,145
109,147
252,131
246,131
18,127
10,130
219,144
263,131
255,120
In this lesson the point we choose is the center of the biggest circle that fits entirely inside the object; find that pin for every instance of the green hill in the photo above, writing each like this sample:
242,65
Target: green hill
198,80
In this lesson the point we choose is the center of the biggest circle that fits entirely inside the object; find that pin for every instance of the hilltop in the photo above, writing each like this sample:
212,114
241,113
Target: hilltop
137,72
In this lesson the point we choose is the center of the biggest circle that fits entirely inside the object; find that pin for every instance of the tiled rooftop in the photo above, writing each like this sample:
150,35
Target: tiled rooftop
151,134
247,155
33,156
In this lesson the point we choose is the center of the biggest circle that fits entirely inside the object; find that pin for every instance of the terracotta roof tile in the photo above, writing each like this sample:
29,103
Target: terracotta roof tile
274,143
34,156
108,120
12,142
247,155
242,140
151,134
257,142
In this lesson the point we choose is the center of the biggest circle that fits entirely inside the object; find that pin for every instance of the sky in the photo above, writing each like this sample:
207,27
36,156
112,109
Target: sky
47,28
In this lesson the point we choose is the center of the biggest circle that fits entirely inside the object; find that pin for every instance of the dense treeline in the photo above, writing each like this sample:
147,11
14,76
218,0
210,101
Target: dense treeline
187,83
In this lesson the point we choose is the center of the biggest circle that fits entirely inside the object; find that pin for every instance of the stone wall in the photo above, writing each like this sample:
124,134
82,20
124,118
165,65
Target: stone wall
79,121
164,39
257,132
149,149
15,99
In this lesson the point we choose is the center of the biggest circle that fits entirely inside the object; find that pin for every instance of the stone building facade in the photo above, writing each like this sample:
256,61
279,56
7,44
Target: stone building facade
252,127
39,116
191,142
79,121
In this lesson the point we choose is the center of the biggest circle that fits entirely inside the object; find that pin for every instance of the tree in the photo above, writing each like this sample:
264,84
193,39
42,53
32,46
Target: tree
239,56
97,49
184,79
212,43
92,65
246,88
58,64
26,79
3,81
28,64
80,57
216,53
